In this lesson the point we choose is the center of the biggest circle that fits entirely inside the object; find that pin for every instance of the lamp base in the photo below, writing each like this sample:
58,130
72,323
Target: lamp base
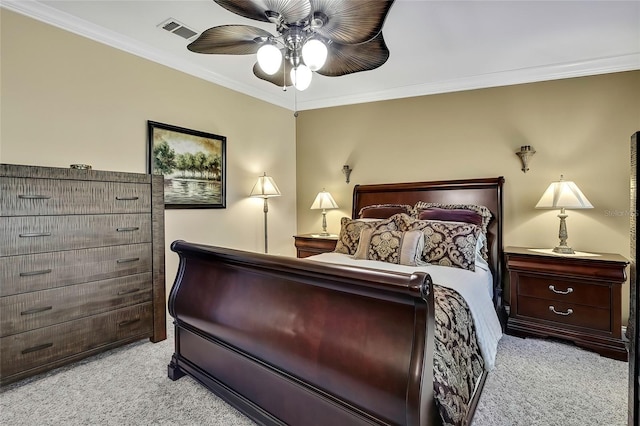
564,250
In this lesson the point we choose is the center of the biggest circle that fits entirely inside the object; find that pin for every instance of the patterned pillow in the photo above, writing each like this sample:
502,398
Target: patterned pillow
350,230
402,248
483,211
447,243
384,211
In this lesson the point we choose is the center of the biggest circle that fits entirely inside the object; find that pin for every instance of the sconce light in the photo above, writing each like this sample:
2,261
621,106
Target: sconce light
525,154
347,171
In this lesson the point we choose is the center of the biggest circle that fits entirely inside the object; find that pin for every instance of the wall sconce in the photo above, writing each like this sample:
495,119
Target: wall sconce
347,171
525,154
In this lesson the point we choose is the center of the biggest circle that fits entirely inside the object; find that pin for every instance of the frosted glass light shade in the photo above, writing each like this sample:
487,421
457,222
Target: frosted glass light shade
314,54
301,77
269,58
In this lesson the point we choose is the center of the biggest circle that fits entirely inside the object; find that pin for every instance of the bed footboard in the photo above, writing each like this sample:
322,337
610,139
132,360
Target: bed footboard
298,342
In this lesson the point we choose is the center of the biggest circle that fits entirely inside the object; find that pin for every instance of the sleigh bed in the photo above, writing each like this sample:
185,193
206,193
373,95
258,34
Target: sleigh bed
346,338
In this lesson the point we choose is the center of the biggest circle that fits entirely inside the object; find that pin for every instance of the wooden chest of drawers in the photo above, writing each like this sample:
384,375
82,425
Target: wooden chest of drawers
81,265
571,297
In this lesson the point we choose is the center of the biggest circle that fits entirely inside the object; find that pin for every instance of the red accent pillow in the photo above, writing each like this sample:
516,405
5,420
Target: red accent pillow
450,215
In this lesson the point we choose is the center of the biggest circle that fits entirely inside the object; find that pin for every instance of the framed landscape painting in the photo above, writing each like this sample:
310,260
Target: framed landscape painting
193,164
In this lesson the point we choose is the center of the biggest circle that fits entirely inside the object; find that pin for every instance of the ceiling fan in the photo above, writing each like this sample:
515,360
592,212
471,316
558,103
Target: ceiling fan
329,37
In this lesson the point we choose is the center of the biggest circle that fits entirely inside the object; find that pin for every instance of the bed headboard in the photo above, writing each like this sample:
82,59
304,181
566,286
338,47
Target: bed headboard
486,192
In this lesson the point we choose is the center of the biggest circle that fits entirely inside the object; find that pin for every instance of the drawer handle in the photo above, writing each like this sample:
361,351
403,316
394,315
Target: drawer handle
569,311
125,323
36,310
126,198
122,293
131,228
553,289
34,197
32,273
35,234
37,348
127,260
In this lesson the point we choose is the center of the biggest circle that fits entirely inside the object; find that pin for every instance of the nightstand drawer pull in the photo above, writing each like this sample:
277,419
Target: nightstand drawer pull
553,289
126,198
569,311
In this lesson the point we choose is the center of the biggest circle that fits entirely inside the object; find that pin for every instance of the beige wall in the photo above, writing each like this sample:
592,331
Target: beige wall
579,127
67,99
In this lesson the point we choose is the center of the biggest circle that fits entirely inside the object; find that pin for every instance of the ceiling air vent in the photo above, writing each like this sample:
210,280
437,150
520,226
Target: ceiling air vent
176,27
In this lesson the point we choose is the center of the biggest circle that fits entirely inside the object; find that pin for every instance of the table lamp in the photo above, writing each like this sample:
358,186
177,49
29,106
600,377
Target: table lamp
563,194
324,201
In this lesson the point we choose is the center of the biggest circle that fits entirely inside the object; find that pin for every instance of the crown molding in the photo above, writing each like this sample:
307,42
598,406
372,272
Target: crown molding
55,17
504,78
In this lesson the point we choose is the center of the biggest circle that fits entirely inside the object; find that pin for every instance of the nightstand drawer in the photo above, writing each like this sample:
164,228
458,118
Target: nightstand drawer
567,291
565,313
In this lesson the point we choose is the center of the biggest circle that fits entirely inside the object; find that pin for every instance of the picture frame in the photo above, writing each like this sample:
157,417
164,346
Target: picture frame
193,164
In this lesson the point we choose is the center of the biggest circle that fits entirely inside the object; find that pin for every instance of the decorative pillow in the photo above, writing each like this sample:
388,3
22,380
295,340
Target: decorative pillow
450,215
384,211
447,243
483,211
402,248
350,230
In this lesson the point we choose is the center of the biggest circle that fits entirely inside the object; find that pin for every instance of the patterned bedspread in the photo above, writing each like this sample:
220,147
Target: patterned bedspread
457,361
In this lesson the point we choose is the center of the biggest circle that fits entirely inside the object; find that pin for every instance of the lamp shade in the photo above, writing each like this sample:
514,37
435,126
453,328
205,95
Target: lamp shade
324,200
269,58
265,187
301,77
563,194
314,54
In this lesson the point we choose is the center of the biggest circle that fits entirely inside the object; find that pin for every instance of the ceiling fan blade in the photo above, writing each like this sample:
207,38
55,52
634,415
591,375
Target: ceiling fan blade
349,58
351,21
290,10
280,78
229,40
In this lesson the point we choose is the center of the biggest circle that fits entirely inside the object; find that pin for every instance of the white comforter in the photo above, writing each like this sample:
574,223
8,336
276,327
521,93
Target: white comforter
475,287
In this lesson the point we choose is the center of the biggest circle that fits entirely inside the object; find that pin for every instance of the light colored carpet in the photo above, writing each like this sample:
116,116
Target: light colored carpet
535,382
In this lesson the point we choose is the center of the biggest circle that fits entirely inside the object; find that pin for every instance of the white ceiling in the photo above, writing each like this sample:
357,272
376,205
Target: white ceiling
436,46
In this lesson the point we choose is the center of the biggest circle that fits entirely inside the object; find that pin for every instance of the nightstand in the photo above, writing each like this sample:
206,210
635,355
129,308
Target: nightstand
312,244
573,297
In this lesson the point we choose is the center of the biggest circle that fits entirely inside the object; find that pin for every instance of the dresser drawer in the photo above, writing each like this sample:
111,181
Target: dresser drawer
565,313
563,290
28,311
33,272
43,197
39,234
32,349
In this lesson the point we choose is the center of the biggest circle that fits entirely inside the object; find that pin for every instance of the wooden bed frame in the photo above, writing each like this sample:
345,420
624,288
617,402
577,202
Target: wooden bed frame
298,342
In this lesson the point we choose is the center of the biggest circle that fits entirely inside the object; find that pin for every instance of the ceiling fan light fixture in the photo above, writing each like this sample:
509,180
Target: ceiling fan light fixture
301,77
269,58
314,54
